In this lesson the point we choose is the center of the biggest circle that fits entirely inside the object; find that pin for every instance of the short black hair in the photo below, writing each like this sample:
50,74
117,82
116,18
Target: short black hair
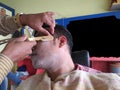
59,31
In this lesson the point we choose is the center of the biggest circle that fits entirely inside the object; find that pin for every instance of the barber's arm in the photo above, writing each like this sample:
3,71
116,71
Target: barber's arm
5,66
19,48
15,50
9,24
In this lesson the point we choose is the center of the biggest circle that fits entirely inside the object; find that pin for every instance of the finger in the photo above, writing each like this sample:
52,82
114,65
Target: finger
32,43
52,27
51,24
51,30
44,31
51,19
51,13
22,38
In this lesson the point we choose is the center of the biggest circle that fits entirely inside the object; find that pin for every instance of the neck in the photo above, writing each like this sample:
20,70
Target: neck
66,66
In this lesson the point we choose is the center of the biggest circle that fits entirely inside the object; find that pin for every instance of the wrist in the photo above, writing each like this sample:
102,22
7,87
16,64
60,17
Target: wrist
20,19
5,57
8,55
6,61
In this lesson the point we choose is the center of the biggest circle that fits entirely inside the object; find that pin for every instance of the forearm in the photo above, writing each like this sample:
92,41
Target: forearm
7,25
5,66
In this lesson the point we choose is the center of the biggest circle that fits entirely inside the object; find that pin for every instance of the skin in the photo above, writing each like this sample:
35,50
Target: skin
19,48
36,21
55,57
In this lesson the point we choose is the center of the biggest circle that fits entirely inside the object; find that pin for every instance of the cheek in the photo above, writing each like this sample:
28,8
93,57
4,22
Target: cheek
43,47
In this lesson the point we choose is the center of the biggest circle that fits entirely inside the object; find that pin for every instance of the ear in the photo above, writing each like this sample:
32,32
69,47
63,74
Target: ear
63,41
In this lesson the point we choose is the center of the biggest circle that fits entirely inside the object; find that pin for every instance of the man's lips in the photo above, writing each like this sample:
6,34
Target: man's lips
33,54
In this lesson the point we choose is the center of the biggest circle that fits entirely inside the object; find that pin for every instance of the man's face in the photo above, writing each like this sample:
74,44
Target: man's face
43,53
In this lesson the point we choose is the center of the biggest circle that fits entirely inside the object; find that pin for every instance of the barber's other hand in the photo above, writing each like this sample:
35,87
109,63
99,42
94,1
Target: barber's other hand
17,49
36,21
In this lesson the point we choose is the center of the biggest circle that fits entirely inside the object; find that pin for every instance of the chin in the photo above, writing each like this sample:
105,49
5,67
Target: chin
35,67
35,63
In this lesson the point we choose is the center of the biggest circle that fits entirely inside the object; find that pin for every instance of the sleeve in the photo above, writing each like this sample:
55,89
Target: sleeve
5,66
8,25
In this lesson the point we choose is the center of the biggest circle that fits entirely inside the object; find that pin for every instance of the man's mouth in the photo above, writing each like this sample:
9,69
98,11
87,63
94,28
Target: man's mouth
33,54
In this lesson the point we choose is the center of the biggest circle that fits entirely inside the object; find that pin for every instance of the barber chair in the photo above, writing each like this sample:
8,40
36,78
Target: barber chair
81,57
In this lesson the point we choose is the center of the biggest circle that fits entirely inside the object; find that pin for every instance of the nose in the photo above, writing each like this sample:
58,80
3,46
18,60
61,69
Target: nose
34,48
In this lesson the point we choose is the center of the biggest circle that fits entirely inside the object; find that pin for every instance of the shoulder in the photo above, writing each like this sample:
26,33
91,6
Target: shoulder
85,68
30,82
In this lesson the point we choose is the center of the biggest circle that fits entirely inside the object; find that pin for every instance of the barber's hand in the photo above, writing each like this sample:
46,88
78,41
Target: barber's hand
17,49
36,21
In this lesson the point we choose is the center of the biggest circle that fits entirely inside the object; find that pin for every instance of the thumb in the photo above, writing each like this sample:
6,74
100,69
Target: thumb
22,38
